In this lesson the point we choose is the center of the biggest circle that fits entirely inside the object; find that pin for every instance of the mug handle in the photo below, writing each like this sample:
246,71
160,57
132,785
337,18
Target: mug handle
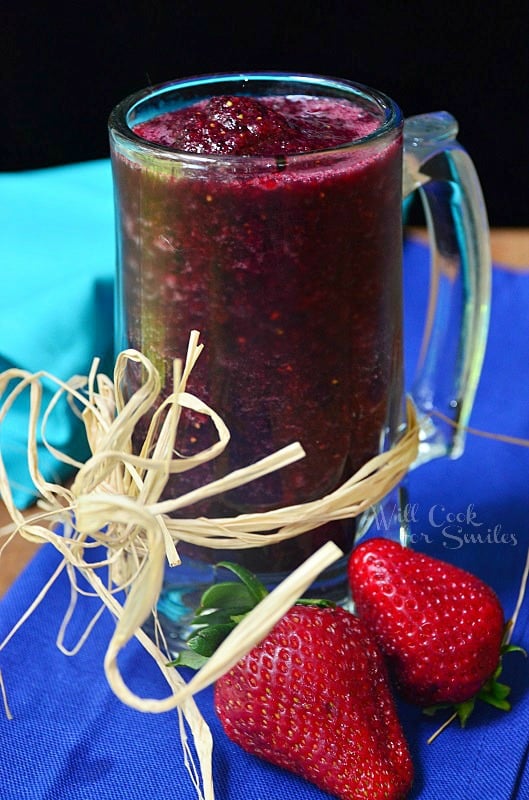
455,334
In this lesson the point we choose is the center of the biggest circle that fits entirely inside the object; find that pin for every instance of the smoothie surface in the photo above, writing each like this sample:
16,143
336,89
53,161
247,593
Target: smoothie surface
268,126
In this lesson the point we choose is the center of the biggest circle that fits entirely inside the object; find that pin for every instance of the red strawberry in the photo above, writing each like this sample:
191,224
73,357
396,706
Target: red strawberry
313,697
440,627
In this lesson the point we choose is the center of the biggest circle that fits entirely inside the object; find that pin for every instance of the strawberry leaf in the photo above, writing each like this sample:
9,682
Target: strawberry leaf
464,710
188,658
512,648
229,593
319,603
492,700
500,690
206,640
220,616
254,586
461,710
431,710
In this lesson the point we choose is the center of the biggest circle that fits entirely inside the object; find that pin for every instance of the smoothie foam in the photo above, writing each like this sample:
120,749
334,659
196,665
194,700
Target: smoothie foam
266,126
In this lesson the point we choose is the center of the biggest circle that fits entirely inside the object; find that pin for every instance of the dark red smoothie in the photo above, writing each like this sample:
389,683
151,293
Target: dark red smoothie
287,259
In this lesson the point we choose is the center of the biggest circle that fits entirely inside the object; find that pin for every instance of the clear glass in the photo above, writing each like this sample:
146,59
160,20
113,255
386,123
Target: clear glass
455,334
290,268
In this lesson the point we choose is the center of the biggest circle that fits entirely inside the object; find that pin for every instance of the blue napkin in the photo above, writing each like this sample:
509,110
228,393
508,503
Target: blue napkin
474,512
71,739
56,303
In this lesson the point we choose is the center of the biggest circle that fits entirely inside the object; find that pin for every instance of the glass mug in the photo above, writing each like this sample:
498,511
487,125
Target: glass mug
291,268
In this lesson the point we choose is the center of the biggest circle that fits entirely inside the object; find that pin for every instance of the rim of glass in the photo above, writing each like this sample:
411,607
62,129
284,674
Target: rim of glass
120,117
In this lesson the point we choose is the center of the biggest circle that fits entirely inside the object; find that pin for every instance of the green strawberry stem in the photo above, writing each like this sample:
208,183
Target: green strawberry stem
222,607
492,692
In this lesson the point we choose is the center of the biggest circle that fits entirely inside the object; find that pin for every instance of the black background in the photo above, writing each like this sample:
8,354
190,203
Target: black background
64,66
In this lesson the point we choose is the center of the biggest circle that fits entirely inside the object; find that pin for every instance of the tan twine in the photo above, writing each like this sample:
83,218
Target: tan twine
115,502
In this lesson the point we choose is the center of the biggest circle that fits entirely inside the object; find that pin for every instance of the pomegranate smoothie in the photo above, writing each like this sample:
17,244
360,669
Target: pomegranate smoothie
281,244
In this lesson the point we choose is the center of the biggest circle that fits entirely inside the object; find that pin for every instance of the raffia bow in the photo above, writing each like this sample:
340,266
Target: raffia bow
114,502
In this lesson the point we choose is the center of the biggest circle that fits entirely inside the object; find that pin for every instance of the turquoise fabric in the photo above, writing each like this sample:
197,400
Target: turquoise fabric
56,306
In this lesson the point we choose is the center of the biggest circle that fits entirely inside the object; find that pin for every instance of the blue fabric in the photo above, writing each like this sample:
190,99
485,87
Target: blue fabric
70,738
474,512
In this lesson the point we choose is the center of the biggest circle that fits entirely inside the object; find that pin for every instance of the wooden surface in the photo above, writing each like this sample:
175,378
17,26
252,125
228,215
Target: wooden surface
510,248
